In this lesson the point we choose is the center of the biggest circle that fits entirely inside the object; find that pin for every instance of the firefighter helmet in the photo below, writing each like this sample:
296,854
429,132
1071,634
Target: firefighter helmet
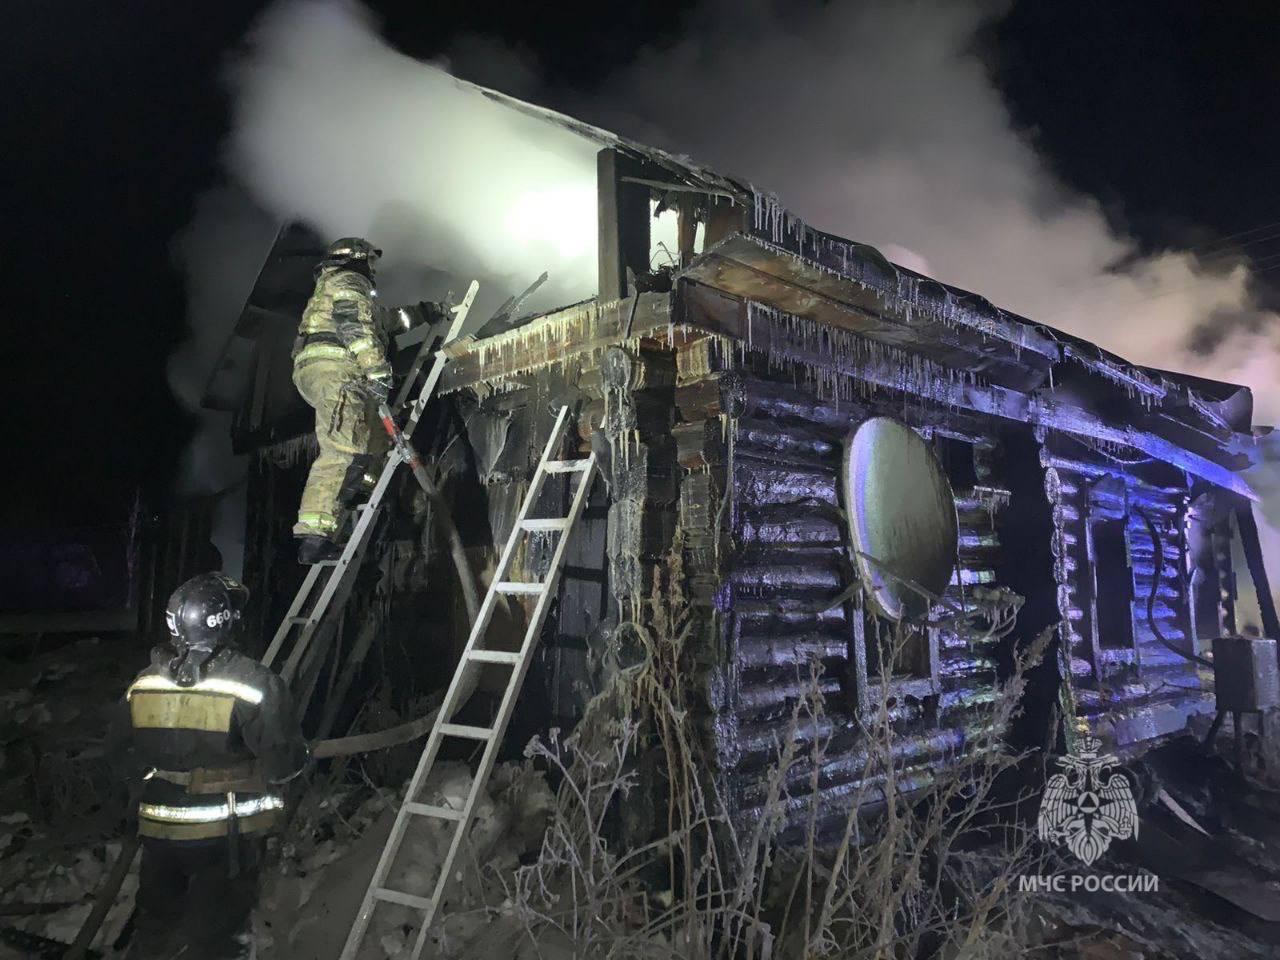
351,250
205,612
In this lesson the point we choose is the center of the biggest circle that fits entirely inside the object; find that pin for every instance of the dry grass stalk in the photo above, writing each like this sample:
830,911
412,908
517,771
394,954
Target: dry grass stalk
925,864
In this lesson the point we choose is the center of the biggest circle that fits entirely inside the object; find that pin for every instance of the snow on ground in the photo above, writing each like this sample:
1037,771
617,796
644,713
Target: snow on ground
61,808
62,817
309,903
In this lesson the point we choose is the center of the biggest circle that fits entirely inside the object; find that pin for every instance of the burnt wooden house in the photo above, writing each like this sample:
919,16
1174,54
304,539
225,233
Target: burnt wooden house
723,388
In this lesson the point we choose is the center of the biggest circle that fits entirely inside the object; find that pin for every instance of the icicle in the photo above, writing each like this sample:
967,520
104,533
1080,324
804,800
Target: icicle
290,453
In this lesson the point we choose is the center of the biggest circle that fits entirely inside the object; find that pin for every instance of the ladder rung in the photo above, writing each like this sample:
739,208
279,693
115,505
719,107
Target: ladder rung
428,810
566,466
299,621
462,730
326,563
512,586
494,656
404,899
550,523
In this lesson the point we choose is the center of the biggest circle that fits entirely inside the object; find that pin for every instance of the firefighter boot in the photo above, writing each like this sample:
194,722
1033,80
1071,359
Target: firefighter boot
358,482
312,549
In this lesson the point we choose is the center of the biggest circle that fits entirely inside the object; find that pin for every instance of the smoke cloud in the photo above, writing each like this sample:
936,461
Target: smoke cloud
335,127
879,122
876,121
221,253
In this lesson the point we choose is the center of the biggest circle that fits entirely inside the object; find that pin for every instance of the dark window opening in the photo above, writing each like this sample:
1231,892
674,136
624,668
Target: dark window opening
956,457
901,647
1114,585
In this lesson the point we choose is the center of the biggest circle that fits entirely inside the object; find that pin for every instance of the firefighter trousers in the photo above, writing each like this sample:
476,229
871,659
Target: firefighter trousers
188,903
346,426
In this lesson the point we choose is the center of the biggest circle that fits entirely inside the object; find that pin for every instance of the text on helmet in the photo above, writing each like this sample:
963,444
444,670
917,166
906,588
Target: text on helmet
219,618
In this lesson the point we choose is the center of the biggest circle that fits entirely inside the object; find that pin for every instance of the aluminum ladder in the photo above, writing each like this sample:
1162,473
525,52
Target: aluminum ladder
473,656
332,576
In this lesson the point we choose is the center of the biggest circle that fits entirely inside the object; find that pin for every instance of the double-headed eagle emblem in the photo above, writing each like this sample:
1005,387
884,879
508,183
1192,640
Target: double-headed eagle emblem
1088,804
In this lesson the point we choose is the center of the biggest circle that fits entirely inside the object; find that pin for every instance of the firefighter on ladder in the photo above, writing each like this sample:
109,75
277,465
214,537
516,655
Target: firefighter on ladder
214,736
341,369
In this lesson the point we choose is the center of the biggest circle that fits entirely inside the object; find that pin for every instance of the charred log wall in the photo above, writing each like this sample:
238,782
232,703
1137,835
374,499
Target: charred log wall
724,457
1128,685
763,521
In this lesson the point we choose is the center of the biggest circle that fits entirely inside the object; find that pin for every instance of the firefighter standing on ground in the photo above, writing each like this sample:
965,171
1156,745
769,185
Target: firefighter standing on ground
340,367
214,735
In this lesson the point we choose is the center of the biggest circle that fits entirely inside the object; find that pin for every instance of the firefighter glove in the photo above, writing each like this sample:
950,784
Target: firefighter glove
378,385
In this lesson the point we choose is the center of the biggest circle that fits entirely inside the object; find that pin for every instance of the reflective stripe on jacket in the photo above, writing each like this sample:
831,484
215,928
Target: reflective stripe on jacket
208,820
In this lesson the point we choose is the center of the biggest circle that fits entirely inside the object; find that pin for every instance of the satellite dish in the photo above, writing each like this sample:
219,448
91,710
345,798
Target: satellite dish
902,516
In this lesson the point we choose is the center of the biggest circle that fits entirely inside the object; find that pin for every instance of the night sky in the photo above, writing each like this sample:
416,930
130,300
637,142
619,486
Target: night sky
115,113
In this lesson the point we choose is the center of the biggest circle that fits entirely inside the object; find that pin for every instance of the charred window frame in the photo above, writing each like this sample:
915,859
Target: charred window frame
912,676
1110,580
1209,532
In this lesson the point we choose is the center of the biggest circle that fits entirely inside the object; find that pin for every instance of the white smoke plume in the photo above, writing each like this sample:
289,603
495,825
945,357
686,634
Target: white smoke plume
876,121
221,253
334,126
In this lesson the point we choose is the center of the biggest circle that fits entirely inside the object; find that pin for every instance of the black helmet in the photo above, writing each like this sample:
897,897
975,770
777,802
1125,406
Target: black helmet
349,251
203,616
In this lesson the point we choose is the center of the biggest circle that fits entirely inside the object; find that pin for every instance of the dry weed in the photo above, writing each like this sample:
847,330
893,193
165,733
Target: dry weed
921,868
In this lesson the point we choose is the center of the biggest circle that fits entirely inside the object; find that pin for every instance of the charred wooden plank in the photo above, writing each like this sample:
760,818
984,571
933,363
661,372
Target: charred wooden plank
585,330
878,280
790,443
622,222
700,443
723,218
804,525
775,657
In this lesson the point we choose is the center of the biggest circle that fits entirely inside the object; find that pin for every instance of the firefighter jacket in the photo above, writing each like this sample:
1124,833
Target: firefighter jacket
340,323
213,755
